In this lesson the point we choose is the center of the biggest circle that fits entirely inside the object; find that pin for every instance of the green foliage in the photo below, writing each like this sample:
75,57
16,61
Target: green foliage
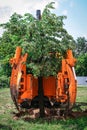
4,81
81,67
41,39
81,55
81,46
47,37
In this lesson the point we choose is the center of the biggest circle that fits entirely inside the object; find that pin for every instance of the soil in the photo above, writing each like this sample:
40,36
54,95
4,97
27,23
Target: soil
32,114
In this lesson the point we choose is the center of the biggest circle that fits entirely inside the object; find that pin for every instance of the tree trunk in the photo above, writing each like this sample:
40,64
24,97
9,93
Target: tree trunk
41,96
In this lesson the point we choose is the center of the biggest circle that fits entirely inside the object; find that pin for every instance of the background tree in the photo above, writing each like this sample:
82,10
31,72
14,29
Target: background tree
81,55
81,67
81,46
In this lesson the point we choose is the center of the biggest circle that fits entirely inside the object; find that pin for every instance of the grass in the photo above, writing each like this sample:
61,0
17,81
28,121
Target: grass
8,122
82,94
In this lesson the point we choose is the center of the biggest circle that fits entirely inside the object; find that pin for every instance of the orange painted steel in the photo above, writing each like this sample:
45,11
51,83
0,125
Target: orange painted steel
49,84
67,84
62,88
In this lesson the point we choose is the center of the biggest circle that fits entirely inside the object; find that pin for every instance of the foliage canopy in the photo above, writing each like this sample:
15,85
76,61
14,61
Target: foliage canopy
45,40
81,54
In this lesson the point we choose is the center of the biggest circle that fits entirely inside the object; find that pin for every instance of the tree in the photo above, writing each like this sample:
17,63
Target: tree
81,54
11,37
45,40
81,67
81,46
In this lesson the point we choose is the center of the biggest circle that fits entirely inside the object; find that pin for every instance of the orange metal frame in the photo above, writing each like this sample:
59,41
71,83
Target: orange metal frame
61,88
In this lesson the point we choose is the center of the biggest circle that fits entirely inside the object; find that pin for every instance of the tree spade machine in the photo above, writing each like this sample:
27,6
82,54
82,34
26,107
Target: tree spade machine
58,92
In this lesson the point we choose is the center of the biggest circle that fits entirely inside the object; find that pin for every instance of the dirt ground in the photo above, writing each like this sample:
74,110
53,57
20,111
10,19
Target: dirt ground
49,114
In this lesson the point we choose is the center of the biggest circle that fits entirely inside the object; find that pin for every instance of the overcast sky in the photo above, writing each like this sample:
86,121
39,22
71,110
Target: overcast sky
75,10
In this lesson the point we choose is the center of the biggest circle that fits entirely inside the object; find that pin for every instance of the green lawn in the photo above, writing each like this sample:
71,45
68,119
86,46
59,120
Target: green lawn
8,122
82,94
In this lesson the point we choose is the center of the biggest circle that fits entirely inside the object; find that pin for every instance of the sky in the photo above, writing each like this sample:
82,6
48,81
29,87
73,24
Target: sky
75,10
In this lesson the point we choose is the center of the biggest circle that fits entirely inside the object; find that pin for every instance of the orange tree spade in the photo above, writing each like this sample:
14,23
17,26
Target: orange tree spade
45,40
